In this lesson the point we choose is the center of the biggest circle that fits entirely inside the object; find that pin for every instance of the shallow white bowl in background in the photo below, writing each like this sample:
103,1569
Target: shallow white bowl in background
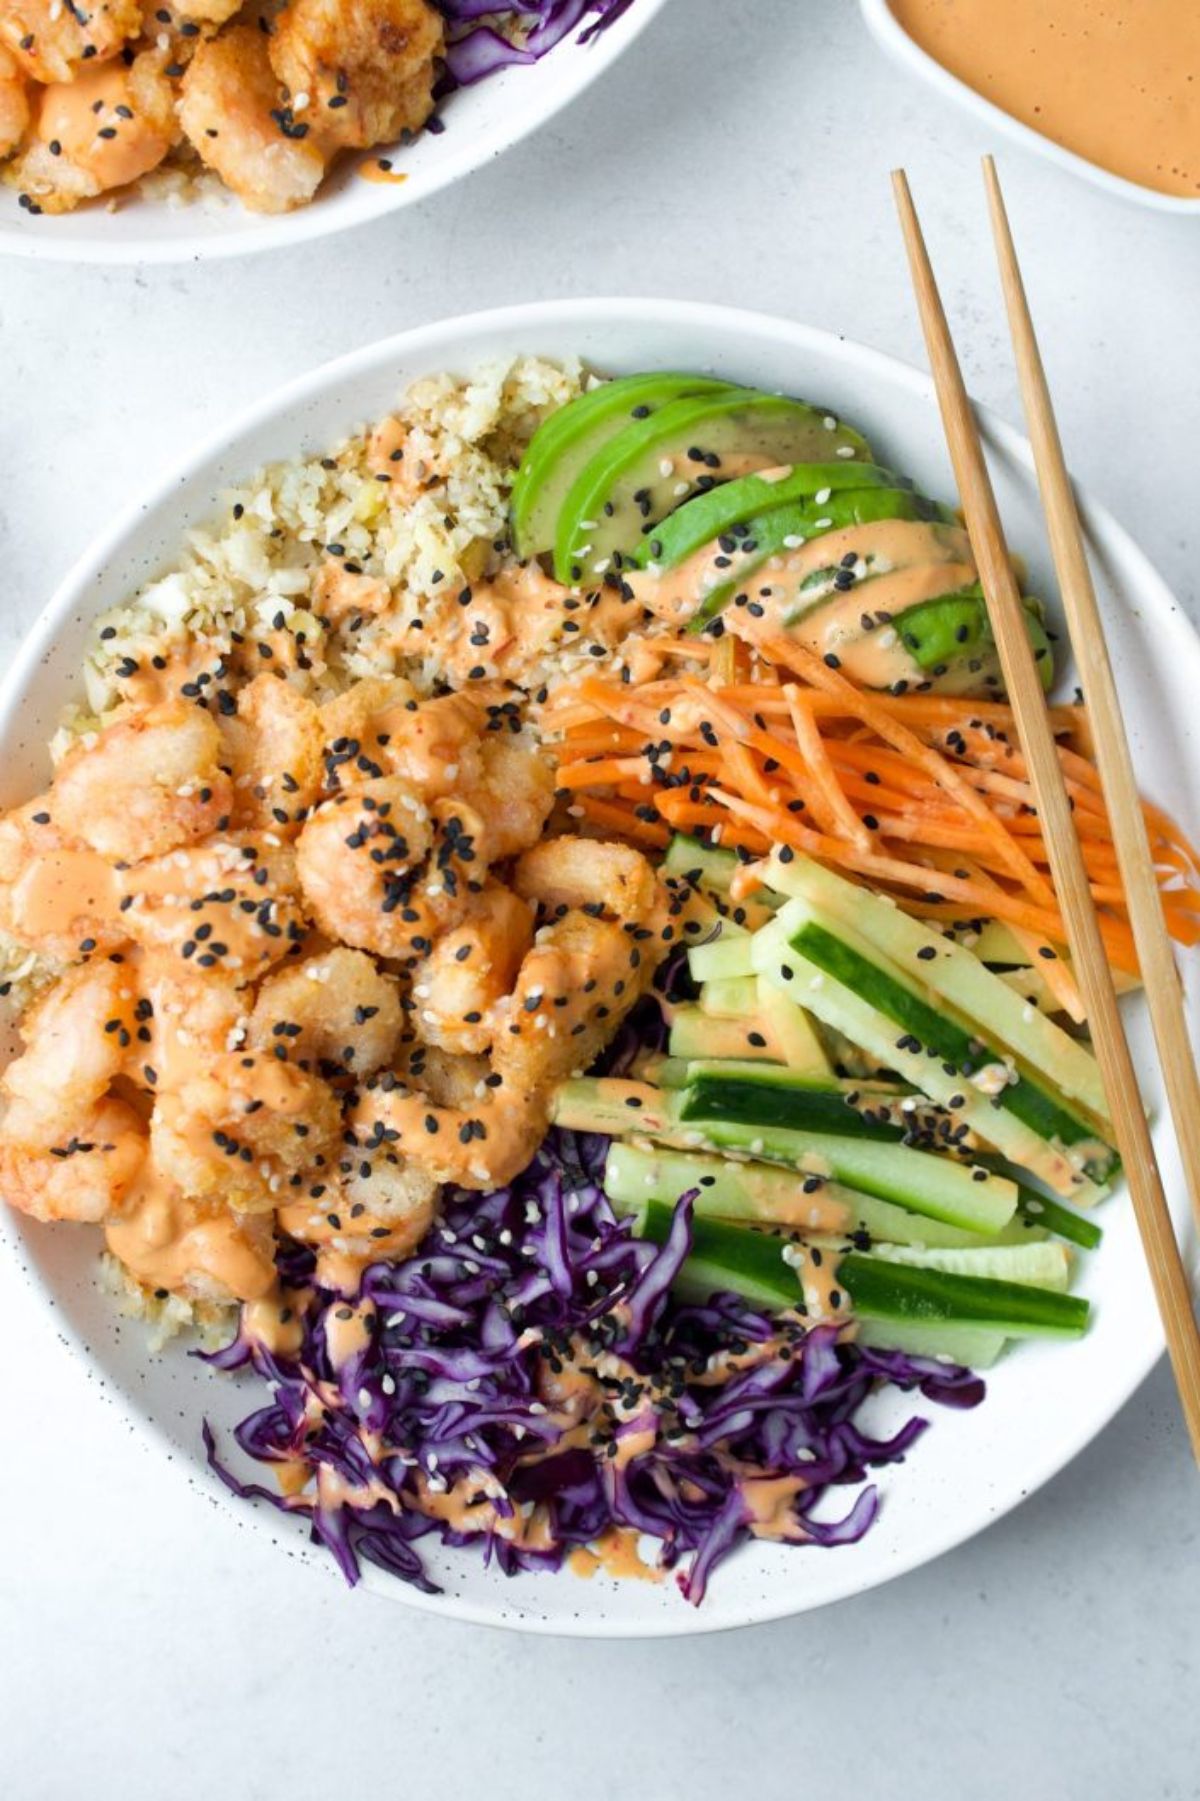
481,123
891,34
1045,1401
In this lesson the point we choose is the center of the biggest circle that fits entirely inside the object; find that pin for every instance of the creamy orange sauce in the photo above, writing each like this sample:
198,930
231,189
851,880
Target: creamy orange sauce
615,1553
63,892
372,169
1116,81
898,563
91,118
167,1241
276,1322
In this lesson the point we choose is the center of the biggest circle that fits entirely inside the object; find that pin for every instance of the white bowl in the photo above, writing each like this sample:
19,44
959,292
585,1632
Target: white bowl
481,122
1045,1401
888,30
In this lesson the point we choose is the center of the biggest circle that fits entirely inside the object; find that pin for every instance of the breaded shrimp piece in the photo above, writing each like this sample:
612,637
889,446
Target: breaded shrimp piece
482,1144
77,1038
86,1175
57,896
246,1129
52,41
231,112
148,784
470,970
335,1013
435,745
560,873
230,908
514,794
98,131
576,985
380,1210
183,1019
14,104
351,723
273,748
366,66
357,858
200,1249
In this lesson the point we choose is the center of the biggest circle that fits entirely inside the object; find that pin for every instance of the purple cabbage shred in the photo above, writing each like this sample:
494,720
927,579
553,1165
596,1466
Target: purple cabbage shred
475,49
525,1382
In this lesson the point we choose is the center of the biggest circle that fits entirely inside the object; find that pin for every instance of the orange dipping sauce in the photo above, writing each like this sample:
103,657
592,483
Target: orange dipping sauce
1116,81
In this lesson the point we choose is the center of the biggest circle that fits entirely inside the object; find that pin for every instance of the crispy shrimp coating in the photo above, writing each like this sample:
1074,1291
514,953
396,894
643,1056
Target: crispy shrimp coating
335,1013
233,116
85,1175
97,131
231,908
470,969
560,873
52,41
363,68
76,1042
247,1128
357,858
146,785
481,1144
14,104
577,983
183,1019
273,748
57,895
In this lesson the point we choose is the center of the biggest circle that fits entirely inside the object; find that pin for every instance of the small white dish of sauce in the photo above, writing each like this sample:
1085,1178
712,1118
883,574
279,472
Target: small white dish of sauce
1109,89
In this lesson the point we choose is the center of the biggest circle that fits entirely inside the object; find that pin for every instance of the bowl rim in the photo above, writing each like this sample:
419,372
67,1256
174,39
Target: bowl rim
455,338
365,201
903,47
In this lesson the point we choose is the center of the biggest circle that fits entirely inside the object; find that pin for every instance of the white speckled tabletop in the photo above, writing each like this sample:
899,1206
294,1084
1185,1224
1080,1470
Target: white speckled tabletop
150,1648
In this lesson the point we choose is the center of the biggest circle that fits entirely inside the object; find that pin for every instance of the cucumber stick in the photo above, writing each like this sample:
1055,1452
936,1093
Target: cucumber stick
763,1193
721,958
695,1033
757,1265
976,1347
937,1187
953,972
1045,1265
730,997
841,1008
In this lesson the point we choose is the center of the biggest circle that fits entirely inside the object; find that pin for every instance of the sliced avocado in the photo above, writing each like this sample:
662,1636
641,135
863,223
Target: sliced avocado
785,528
702,520
642,474
942,633
569,438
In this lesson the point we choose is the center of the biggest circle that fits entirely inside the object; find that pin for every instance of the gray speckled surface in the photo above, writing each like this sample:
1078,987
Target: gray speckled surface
149,1646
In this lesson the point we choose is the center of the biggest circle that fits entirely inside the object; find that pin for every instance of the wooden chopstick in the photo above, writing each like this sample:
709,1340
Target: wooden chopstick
1066,858
1160,976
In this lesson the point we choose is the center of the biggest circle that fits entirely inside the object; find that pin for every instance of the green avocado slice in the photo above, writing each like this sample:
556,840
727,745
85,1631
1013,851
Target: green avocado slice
565,442
940,633
648,468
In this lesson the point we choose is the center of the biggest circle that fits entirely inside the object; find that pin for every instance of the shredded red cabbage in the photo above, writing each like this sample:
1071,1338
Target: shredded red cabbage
454,1391
475,49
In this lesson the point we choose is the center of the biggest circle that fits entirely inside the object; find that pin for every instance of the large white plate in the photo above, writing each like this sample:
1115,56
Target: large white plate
481,123
1045,1402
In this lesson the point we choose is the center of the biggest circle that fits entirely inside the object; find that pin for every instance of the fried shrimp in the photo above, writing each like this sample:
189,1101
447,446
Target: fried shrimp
97,131
231,908
335,1013
77,1040
357,857
579,980
57,895
232,112
147,784
560,873
55,42
86,1175
247,1128
273,747
364,67
201,1250
14,104
480,1144
470,970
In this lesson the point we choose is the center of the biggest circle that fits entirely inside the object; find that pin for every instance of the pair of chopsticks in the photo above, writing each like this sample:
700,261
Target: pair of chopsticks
1160,976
